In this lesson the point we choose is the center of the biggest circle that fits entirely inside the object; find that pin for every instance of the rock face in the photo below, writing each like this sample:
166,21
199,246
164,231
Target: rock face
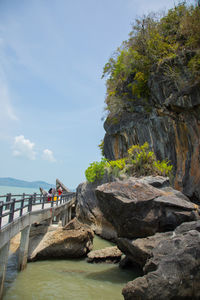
72,241
172,127
139,250
172,268
108,255
88,211
136,209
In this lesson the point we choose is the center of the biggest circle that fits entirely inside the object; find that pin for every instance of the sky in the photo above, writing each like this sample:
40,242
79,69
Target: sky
52,55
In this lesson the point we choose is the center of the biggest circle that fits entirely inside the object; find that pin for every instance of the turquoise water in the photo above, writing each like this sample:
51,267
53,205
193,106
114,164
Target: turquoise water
17,190
4,190
69,280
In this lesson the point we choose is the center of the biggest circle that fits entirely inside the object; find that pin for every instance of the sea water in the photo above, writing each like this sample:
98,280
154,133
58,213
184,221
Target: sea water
17,190
70,279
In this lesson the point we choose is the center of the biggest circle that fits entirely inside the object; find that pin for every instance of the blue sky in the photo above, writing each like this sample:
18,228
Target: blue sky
52,54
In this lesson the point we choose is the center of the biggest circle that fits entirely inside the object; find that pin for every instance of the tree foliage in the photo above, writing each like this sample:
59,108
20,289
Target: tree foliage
151,40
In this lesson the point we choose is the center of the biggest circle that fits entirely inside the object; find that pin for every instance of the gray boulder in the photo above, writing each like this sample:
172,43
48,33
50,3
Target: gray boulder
139,250
72,241
172,271
88,211
136,209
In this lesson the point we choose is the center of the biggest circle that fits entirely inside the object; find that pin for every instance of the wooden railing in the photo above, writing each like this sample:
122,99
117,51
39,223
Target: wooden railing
14,206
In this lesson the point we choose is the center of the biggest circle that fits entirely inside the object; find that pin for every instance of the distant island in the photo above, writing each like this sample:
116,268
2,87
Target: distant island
8,181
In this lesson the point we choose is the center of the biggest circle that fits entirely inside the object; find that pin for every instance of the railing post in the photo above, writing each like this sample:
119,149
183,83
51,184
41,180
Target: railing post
1,211
34,197
22,204
8,198
12,211
41,197
43,201
30,201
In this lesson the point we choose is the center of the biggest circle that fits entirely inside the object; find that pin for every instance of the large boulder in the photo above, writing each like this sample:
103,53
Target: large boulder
172,270
88,211
72,241
136,209
139,250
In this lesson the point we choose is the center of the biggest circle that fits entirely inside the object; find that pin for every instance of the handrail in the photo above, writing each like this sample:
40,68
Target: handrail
17,195
9,208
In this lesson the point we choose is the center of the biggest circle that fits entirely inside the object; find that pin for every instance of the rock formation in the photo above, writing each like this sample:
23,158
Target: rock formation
171,125
88,211
136,209
72,241
108,255
139,250
172,267
150,222
60,184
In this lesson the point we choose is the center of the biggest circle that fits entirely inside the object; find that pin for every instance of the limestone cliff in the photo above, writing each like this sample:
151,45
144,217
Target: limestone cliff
169,122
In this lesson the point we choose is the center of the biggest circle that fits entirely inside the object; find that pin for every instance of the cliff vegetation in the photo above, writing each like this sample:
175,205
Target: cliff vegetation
140,161
154,39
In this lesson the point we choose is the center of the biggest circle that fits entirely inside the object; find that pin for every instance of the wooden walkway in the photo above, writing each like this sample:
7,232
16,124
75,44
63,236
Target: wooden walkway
19,212
15,206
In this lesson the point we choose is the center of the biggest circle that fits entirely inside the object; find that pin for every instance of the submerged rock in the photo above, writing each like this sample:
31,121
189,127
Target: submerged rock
72,241
108,255
136,209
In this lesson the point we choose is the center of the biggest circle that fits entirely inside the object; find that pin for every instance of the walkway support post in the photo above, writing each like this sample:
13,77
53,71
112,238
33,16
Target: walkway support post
23,248
4,251
64,218
69,213
58,218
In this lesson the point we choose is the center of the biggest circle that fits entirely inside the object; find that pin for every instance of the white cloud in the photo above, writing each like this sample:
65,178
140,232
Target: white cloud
23,147
48,155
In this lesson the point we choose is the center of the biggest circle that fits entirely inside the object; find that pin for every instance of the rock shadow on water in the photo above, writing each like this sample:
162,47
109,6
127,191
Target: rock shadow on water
11,271
114,275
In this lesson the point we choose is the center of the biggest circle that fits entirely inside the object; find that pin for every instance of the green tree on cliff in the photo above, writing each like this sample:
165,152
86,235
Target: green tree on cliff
151,40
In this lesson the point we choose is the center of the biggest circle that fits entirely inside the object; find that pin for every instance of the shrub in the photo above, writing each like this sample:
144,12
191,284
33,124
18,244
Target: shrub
115,166
139,162
101,147
163,167
194,66
95,171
